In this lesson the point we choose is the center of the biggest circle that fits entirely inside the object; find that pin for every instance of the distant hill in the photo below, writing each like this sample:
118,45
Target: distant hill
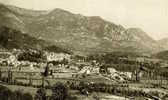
11,38
164,43
77,32
162,55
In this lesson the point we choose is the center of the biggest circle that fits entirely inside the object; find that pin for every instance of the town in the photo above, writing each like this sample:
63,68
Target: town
125,77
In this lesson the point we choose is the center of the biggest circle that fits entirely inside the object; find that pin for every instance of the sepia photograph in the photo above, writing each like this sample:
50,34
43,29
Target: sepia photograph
83,49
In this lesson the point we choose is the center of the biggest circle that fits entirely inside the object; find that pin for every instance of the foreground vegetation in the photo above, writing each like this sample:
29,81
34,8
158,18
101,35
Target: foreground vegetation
59,92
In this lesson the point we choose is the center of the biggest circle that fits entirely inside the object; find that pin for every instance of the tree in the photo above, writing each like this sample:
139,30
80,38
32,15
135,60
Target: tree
43,79
10,75
27,96
46,73
32,56
7,94
30,80
60,92
0,74
41,94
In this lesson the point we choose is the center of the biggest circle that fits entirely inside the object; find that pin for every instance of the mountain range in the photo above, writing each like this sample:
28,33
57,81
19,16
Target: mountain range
78,33
164,43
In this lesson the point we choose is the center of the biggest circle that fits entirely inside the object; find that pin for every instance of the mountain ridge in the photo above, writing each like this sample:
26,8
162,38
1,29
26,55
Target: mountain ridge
13,39
164,43
78,32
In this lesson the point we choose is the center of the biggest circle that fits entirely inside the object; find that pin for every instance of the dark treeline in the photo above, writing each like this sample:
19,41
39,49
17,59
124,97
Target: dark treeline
32,56
120,59
120,90
59,92
12,38
56,49
114,57
7,94
64,61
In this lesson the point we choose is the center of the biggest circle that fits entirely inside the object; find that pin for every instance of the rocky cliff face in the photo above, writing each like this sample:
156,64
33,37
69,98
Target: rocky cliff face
77,32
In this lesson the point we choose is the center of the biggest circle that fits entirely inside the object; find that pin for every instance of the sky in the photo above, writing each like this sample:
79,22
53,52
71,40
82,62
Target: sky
150,15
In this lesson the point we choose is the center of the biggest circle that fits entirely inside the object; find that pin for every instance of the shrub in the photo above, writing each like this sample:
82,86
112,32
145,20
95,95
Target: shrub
27,96
7,94
40,94
59,92
32,56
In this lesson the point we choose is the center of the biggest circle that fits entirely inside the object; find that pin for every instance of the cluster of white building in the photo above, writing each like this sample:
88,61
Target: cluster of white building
51,56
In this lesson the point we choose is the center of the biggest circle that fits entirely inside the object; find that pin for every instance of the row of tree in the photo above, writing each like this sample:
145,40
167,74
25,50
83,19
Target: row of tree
7,94
32,56
112,89
59,92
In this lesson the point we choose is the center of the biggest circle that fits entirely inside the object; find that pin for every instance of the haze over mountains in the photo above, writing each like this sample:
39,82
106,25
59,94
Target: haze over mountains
77,32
